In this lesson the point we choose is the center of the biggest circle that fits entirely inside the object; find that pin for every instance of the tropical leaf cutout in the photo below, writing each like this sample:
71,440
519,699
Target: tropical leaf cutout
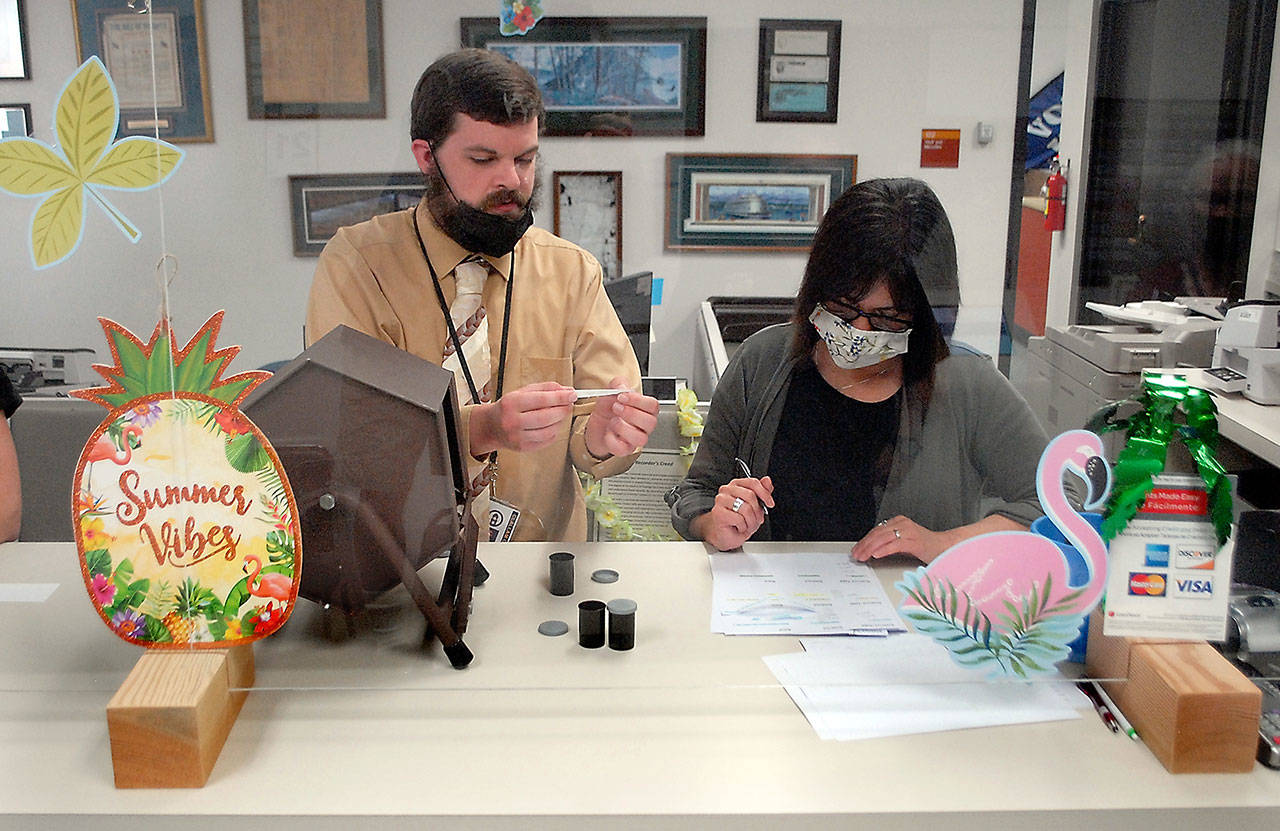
85,162
1030,639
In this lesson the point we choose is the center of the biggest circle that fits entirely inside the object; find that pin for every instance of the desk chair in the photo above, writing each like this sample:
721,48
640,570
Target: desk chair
49,433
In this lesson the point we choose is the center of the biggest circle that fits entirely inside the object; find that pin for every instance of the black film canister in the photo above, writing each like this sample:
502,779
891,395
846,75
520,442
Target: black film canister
622,624
561,573
591,624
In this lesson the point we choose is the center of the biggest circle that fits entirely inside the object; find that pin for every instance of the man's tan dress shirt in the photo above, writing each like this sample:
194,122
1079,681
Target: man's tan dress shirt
372,278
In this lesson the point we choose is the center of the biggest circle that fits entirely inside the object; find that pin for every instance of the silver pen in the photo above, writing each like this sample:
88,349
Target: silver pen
746,472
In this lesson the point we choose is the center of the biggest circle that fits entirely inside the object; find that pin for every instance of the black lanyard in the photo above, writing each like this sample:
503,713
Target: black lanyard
453,332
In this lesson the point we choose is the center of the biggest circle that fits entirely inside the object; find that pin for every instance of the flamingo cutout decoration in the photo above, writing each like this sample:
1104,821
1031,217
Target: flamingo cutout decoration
105,450
272,586
1005,601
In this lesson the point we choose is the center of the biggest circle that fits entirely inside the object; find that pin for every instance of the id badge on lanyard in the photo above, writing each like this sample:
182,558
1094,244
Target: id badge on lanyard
502,520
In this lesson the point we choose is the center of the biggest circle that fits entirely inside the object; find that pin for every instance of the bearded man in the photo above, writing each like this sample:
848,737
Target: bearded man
519,315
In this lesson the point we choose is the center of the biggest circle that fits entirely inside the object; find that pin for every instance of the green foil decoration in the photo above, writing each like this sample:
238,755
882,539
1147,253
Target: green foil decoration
1167,407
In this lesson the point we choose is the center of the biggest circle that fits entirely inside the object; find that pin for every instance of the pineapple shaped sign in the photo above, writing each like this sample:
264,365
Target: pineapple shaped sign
185,524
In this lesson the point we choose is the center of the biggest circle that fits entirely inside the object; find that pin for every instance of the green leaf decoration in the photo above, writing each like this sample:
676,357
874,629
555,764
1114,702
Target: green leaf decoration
98,562
130,595
85,162
236,598
156,632
142,369
246,454
1030,639
280,551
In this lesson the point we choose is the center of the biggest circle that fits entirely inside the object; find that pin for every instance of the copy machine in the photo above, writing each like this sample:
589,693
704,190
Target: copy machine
1073,371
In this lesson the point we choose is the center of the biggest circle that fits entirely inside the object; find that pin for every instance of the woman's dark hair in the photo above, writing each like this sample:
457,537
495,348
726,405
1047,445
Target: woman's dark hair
891,230
478,83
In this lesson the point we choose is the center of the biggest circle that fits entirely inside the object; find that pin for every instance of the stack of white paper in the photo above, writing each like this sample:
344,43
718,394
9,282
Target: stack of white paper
859,688
814,593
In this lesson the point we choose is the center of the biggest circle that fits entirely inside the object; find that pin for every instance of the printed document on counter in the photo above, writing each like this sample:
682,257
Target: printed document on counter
862,688
814,593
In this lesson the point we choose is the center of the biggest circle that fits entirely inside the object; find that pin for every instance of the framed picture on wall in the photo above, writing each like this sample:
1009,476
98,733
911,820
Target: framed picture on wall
799,70
15,120
588,211
14,61
174,101
321,204
610,76
314,59
768,202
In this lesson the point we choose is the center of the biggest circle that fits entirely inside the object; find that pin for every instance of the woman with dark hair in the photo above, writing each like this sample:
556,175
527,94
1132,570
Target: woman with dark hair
855,418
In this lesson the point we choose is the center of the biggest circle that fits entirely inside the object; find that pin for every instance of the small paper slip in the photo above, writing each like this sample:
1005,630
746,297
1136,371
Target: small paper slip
26,592
860,688
585,394
813,593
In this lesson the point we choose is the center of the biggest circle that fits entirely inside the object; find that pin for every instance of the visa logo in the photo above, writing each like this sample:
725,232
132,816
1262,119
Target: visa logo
1193,587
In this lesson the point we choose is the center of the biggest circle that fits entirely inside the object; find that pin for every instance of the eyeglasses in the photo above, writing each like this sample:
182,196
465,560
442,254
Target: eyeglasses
882,320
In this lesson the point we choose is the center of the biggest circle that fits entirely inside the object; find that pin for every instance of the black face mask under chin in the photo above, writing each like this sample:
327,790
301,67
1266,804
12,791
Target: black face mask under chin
474,229
483,232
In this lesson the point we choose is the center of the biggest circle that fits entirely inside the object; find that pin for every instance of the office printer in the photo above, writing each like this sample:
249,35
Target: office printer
47,371
1246,357
1073,371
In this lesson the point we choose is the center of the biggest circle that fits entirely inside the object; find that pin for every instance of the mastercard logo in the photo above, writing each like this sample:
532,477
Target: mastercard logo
1146,584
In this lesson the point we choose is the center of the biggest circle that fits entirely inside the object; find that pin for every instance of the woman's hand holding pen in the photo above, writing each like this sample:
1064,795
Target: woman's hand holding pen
738,512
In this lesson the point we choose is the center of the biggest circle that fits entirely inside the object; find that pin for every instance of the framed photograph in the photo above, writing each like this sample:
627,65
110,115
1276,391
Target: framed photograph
589,212
15,120
799,74
314,58
610,76
175,103
762,203
321,204
15,63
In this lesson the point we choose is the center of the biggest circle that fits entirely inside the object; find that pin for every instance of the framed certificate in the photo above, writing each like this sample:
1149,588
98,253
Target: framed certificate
156,60
314,58
799,70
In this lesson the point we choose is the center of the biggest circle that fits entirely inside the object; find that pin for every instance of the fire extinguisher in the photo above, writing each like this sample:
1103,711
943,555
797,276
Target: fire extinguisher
1055,198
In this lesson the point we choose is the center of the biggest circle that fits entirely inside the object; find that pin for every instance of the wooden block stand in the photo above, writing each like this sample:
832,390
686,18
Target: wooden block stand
1193,709
171,716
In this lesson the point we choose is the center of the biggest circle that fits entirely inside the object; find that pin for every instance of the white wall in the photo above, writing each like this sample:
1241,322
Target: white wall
905,66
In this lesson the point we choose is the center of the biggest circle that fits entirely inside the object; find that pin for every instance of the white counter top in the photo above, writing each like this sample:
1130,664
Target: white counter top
688,730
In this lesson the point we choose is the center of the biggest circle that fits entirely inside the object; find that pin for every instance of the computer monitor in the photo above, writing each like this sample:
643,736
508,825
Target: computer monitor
632,299
369,438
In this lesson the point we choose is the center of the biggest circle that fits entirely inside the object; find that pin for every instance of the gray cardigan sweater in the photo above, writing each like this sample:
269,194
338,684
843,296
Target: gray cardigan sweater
974,453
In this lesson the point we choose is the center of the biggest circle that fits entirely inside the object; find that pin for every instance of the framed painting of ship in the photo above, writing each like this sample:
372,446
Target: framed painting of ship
738,202
320,204
610,76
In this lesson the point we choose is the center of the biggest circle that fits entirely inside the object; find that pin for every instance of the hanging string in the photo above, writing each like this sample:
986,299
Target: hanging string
144,7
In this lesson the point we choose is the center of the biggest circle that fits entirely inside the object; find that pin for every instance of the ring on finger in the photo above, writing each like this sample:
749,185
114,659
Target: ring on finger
883,522
737,504
897,534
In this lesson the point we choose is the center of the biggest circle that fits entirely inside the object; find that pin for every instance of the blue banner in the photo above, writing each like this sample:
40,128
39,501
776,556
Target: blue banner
1044,117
